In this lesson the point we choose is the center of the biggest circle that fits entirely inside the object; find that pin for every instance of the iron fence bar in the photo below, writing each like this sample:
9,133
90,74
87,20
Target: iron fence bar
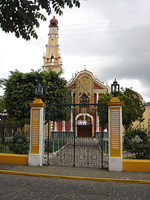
80,104
13,140
102,136
3,133
48,137
74,140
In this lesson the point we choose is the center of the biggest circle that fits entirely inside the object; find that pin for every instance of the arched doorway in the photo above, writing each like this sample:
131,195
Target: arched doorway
84,125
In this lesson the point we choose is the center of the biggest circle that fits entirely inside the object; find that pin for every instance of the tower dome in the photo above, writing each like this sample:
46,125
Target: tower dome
53,22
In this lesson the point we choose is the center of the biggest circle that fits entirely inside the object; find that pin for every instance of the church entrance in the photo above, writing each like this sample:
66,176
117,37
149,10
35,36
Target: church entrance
84,130
77,142
84,125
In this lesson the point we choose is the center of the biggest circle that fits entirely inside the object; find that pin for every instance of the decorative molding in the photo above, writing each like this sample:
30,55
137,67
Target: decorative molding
37,103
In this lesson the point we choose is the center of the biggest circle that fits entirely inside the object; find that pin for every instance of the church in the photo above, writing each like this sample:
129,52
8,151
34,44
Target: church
85,87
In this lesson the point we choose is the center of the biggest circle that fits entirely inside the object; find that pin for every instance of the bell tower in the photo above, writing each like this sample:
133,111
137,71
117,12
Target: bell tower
52,59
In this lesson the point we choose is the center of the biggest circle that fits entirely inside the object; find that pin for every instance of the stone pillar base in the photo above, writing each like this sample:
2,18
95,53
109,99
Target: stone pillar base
115,164
35,160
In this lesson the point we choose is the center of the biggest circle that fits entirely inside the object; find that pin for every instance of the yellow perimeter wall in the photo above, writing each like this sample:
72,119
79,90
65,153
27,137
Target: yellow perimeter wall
127,164
131,165
14,159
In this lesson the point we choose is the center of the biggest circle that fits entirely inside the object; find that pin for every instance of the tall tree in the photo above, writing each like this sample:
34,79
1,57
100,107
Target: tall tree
2,104
132,108
103,100
1,83
22,16
19,91
139,105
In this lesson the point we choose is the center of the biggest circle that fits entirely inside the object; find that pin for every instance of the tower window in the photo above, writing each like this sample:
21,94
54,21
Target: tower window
53,24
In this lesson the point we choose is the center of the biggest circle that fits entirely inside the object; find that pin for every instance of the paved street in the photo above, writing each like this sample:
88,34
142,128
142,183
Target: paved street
14,187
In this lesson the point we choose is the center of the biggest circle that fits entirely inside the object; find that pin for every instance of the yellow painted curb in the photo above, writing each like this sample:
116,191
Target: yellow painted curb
77,177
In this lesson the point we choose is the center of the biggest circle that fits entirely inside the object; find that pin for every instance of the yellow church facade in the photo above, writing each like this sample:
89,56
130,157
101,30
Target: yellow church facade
146,123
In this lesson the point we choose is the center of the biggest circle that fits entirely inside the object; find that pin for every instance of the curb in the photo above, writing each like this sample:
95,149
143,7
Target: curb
76,177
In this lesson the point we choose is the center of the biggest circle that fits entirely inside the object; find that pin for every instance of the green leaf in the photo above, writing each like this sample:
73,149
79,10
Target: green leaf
20,16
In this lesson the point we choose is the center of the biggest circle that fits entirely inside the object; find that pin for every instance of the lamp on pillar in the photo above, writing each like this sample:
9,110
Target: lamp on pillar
115,88
115,129
35,157
3,115
39,91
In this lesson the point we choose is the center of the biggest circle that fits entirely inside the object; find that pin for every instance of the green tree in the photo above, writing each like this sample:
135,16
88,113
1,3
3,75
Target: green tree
2,107
137,142
22,16
19,91
132,108
140,108
20,144
103,100
129,112
1,83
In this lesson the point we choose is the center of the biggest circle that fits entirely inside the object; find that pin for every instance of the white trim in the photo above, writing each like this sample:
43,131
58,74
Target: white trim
55,128
84,75
71,121
97,122
97,116
100,90
63,126
115,164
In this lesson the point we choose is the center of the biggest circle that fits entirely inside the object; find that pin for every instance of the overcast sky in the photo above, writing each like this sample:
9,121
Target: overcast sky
111,38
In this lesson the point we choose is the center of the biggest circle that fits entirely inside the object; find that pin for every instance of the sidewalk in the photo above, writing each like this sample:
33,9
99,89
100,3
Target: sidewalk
76,173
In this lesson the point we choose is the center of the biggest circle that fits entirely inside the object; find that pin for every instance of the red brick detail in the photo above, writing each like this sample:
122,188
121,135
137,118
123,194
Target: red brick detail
73,97
67,126
96,86
53,126
100,129
72,86
100,95
59,126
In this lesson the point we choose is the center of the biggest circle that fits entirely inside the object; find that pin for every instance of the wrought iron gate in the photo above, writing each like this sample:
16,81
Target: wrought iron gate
79,142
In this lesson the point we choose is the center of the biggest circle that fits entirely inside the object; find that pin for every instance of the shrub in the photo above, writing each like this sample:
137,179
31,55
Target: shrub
20,144
137,142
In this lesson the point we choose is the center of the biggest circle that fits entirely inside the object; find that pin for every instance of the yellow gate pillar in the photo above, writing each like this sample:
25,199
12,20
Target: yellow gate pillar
115,134
36,133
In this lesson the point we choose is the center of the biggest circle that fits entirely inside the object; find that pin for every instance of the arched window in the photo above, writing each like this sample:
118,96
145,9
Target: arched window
52,59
